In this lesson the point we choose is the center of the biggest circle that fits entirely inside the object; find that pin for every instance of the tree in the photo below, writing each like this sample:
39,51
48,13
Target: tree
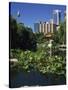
12,32
25,38
20,36
60,35
40,38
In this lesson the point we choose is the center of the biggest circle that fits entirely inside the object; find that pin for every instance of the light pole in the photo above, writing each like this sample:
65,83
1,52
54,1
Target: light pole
50,46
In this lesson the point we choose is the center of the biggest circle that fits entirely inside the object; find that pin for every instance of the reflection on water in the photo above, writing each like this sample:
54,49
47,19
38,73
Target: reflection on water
33,78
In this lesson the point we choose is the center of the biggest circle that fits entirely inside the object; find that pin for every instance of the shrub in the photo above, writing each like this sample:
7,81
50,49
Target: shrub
39,60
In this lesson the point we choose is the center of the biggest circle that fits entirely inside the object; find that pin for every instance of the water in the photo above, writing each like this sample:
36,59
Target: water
34,78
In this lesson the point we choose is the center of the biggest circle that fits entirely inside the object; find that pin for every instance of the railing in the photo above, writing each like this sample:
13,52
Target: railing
62,47
60,50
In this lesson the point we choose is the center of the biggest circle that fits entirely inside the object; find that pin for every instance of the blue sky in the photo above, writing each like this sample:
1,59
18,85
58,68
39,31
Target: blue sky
32,13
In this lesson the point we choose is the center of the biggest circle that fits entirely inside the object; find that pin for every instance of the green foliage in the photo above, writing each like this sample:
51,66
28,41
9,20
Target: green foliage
13,32
39,61
40,38
23,42
21,37
60,35
15,53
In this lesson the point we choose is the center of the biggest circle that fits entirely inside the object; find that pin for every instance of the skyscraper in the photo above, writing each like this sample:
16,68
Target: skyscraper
39,27
36,27
57,17
47,28
52,26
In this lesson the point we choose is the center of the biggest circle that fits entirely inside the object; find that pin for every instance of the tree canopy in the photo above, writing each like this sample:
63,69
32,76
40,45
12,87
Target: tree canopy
21,36
60,35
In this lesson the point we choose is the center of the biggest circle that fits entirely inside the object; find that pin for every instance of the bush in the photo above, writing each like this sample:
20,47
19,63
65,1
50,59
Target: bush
39,60
15,53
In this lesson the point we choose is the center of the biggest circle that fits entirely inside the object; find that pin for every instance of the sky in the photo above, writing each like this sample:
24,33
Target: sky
31,13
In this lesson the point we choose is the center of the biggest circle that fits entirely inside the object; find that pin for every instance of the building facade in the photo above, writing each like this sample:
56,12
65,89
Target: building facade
51,26
36,27
45,27
57,17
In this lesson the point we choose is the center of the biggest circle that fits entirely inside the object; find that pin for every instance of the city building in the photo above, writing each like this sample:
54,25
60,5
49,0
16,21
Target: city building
52,26
36,27
49,28
45,28
39,27
57,17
